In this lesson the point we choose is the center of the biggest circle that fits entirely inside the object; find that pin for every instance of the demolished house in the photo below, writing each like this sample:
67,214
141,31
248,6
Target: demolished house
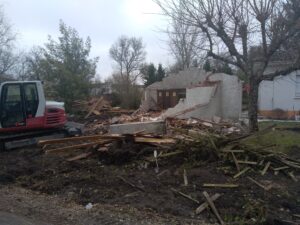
196,93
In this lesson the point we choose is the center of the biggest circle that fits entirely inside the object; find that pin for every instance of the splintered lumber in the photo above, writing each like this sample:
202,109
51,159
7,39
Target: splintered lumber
131,184
259,184
241,172
213,143
232,151
185,179
204,205
94,107
170,154
185,195
221,185
81,156
291,175
290,164
281,168
82,138
247,162
236,162
213,207
263,131
85,145
154,140
263,172
96,112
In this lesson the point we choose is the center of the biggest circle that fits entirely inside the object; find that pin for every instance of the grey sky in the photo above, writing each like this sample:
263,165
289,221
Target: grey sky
103,20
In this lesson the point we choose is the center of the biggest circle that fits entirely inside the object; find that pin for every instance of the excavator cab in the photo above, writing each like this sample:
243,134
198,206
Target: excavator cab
18,102
23,107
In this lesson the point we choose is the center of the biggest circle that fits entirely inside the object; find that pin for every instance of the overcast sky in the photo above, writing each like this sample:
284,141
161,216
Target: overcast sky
103,20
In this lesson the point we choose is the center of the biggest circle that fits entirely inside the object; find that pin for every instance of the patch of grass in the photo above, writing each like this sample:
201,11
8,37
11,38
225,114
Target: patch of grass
283,139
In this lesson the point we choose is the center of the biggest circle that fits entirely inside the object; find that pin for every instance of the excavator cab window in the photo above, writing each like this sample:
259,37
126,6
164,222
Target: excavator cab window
12,107
31,99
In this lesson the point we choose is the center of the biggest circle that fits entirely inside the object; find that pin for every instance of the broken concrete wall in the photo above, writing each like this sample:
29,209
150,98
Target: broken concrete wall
156,127
150,100
231,95
182,80
223,99
200,102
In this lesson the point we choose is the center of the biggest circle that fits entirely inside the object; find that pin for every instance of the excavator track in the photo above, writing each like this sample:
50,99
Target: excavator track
16,140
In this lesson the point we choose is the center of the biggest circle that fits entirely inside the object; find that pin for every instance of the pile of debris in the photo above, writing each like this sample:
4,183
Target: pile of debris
192,141
96,106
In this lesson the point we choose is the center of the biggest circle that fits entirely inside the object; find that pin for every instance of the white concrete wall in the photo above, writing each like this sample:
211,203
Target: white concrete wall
279,93
209,110
200,102
231,95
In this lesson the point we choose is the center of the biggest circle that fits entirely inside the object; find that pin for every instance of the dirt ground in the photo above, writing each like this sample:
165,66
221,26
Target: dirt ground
50,189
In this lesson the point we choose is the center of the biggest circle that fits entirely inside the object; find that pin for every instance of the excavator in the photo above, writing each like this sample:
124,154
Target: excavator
25,113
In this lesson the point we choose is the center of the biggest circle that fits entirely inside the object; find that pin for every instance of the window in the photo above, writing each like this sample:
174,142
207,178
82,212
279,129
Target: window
13,93
159,94
11,108
167,93
297,94
31,99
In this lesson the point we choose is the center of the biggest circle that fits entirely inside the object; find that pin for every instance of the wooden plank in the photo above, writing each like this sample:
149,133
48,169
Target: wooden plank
93,107
221,185
291,175
236,162
232,151
185,179
185,195
247,162
96,112
81,156
263,172
259,184
154,140
204,205
213,207
85,145
81,138
241,172
281,168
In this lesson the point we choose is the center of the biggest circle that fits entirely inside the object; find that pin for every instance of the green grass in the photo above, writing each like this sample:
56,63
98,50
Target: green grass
283,139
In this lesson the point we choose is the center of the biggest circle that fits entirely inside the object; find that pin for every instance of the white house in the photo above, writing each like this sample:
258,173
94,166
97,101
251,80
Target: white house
280,98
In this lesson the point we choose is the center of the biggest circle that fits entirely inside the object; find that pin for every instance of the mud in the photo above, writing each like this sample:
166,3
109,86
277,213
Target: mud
97,180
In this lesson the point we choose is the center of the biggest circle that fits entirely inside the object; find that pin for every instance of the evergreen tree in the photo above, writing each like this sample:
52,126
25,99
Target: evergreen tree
149,72
160,74
207,66
66,67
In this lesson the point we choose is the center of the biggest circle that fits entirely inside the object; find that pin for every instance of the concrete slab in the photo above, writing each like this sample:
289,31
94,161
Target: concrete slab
157,127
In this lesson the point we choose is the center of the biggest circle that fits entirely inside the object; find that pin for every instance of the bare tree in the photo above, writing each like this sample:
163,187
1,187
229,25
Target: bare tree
184,43
235,26
7,40
129,54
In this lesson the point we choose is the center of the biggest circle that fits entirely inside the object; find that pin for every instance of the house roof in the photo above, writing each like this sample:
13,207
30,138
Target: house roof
181,80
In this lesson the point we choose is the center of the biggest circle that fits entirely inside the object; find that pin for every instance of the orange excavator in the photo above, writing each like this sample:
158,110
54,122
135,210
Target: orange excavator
25,113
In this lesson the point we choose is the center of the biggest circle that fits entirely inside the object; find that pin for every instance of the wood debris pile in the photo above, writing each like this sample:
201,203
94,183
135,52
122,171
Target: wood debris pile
94,144
196,127
191,141
96,106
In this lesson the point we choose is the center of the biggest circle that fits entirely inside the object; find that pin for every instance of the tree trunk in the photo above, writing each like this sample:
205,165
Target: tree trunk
252,105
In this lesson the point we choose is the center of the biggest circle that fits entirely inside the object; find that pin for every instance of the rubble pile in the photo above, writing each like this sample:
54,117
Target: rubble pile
186,142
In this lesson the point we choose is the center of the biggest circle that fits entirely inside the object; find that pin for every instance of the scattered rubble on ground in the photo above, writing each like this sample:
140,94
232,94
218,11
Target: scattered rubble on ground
195,169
